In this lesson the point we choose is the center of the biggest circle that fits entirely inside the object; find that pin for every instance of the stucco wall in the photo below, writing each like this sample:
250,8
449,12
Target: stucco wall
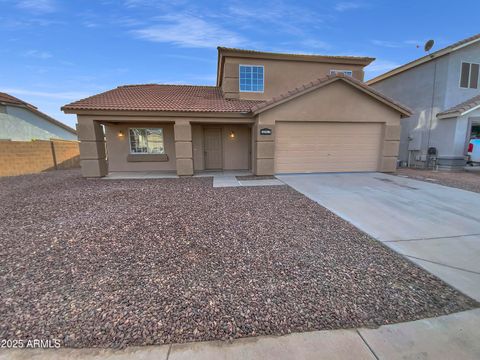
336,102
118,148
280,76
23,125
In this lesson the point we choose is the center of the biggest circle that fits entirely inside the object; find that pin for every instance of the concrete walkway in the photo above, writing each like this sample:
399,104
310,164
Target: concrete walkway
435,226
453,336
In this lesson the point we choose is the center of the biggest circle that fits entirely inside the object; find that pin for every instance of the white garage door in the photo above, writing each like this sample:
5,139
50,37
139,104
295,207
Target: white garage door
303,147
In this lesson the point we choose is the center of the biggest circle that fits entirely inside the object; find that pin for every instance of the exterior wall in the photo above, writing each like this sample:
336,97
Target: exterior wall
280,75
118,149
337,102
236,152
28,157
416,89
20,124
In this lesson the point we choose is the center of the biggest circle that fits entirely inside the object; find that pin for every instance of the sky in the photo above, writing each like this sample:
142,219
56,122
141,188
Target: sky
54,52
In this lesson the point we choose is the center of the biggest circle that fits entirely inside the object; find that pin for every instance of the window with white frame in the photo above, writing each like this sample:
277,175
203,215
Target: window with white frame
469,75
251,78
146,141
344,72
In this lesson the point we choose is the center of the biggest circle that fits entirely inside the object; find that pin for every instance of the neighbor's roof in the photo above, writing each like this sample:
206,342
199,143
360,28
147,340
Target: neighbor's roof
7,99
462,108
405,111
456,46
303,57
156,97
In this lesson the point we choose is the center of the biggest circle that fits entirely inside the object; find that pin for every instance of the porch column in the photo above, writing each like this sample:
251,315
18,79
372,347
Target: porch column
264,142
93,159
183,147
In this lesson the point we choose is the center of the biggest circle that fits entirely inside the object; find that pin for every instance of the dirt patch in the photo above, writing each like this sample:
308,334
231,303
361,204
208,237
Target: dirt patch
135,262
462,179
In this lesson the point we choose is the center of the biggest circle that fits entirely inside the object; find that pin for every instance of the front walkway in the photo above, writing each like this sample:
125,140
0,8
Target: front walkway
436,227
452,336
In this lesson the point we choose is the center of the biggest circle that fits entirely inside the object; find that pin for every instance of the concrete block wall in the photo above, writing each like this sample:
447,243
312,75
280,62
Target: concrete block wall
28,157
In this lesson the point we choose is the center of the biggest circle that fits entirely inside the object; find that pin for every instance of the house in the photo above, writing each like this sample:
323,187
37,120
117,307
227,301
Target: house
22,121
443,90
268,113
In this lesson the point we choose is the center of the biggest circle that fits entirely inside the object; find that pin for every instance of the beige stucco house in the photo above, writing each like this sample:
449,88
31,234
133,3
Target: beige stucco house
268,113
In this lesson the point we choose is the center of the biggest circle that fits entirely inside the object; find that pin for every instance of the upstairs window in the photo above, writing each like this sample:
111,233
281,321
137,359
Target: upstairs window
344,72
469,75
251,78
146,141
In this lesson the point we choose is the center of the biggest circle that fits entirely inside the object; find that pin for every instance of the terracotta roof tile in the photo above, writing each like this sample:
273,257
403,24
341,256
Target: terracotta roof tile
9,99
323,81
462,107
156,97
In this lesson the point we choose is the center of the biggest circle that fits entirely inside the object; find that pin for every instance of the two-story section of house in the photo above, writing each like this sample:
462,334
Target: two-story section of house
443,90
268,113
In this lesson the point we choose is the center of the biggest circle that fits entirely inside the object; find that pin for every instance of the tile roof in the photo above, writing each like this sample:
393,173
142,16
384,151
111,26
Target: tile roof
326,80
444,51
462,108
156,97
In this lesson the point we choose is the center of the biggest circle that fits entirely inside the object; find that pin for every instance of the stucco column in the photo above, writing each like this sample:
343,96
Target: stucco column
391,144
183,147
264,162
92,147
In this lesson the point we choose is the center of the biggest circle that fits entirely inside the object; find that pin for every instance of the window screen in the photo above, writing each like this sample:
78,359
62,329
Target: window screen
469,75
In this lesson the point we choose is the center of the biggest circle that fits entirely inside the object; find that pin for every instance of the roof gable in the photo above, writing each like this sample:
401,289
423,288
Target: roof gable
435,55
319,83
461,109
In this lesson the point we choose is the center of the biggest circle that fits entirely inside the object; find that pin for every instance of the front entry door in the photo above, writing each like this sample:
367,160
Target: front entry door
213,148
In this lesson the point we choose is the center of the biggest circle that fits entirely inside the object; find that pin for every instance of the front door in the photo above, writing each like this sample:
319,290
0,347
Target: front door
213,148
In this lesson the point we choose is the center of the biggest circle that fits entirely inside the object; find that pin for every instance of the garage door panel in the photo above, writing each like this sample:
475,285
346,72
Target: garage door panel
327,147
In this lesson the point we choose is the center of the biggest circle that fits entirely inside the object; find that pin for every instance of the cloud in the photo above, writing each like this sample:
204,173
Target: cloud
379,67
315,44
39,6
189,31
347,5
396,44
65,95
38,54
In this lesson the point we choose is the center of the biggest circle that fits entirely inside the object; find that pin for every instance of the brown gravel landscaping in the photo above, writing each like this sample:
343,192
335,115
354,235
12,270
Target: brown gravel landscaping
458,179
111,263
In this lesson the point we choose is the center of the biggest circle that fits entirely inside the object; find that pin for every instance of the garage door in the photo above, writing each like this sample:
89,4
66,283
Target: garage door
327,147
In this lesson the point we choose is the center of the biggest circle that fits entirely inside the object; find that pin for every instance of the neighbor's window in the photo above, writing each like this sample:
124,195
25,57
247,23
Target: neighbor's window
344,72
251,78
469,75
146,141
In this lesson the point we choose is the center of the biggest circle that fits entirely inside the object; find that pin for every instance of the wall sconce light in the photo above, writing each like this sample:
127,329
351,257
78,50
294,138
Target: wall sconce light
121,134
231,135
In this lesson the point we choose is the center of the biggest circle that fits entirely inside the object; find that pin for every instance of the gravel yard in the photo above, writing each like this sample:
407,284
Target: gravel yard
111,263
462,180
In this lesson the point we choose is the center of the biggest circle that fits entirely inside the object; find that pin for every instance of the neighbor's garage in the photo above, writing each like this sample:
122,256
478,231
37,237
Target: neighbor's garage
303,147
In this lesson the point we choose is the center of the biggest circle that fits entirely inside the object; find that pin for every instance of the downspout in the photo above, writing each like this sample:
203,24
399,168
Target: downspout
431,109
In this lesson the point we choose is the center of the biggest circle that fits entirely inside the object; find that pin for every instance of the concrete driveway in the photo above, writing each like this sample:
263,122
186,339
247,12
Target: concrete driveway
435,226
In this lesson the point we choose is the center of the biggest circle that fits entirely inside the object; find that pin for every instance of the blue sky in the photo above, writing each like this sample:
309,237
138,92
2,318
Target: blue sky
54,52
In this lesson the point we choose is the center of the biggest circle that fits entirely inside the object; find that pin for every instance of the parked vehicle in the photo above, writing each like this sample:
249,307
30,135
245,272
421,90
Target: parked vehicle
474,152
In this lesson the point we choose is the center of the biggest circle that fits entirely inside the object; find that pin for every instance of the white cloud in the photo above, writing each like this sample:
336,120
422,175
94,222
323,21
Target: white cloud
189,31
38,54
65,95
41,6
379,67
347,5
315,44
396,44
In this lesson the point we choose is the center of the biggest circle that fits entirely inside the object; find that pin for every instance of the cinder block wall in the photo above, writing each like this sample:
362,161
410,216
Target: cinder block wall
28,157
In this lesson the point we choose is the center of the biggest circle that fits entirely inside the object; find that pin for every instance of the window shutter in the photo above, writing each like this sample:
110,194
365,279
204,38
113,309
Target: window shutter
464,76
474,76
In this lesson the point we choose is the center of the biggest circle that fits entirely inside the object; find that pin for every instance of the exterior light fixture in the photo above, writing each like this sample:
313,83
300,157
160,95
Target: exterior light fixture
121,134
231,135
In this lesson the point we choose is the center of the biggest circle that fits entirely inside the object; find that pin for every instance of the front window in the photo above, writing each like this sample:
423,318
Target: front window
344,72
146,141
469,75
251,78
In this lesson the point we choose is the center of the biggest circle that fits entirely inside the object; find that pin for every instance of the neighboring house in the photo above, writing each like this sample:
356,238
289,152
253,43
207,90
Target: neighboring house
443,90
269,113
22,121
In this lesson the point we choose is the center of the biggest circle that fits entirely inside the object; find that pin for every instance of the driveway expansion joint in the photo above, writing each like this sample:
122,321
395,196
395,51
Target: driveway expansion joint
432,238
367,344
441,264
